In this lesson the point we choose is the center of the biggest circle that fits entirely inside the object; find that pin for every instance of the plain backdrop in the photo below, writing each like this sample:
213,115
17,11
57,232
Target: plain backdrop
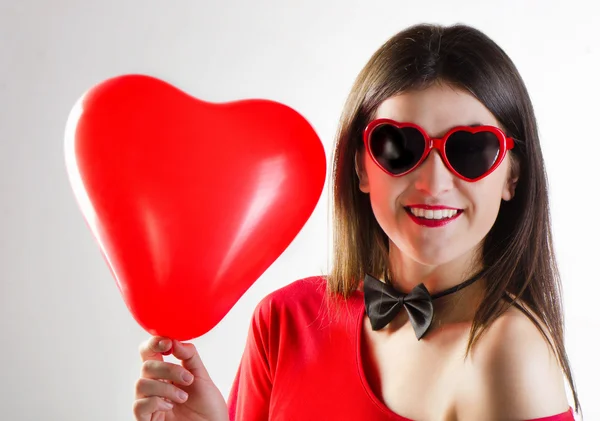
69,347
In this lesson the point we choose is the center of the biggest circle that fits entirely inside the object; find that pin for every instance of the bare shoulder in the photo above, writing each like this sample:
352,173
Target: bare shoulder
513,373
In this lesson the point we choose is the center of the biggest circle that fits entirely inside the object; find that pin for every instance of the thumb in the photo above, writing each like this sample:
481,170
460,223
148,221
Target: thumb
190,359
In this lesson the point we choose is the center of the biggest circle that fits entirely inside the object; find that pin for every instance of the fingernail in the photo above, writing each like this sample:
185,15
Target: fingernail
182,395
167,405
163,344
187,377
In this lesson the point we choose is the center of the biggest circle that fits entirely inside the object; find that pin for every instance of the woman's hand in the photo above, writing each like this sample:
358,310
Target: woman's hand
173,392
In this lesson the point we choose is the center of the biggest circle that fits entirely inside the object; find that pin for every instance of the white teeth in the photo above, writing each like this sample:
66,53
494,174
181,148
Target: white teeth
433,214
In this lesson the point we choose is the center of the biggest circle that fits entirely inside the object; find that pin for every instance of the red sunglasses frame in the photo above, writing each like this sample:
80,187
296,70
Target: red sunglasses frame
506,144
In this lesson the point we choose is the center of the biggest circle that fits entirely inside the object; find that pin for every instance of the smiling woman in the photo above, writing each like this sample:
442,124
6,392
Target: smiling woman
417,253
444,300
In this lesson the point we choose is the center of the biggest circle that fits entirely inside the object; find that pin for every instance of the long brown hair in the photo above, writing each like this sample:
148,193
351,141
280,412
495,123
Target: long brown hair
518,251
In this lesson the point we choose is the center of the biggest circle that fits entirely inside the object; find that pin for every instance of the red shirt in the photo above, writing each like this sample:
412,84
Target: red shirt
302,361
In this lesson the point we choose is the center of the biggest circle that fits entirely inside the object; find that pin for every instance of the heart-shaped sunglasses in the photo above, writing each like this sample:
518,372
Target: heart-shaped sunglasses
471,153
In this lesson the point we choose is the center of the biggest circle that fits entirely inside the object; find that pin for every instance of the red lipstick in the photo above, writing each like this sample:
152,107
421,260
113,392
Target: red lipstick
432,223
432,207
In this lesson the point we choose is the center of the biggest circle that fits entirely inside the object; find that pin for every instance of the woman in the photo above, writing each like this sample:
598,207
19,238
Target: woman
444,299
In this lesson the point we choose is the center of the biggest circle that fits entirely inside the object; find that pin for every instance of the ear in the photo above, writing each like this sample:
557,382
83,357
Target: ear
510,185
359,167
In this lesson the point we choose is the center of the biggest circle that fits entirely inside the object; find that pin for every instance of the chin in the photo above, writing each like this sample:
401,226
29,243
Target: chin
432,256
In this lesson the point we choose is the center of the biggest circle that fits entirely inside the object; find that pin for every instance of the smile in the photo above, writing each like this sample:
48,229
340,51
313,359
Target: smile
433,217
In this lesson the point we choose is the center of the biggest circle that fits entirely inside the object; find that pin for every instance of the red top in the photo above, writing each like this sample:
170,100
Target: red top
302,361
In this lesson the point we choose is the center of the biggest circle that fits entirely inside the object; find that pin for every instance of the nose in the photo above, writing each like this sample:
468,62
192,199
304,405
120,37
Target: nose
433,177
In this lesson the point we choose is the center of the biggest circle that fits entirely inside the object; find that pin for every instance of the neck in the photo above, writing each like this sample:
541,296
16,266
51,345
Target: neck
459,306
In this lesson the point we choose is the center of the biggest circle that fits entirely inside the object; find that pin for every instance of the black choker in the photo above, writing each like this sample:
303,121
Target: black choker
383,302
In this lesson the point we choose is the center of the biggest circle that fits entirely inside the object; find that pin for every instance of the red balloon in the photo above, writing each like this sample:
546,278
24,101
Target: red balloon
189,201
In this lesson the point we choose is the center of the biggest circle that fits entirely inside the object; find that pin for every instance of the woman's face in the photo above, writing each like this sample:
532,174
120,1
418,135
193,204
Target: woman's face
437,110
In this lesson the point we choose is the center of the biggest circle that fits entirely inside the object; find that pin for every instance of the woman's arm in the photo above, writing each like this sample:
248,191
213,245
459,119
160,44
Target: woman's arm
514,375
251,391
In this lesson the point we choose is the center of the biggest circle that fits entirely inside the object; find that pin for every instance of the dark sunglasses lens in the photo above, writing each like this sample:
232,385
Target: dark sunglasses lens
396,149
472,154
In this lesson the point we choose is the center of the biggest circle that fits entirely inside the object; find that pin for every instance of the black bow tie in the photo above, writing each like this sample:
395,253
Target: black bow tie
383,303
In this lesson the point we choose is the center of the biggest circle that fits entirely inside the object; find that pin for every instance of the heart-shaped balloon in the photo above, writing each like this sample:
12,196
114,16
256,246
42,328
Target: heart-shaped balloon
190,201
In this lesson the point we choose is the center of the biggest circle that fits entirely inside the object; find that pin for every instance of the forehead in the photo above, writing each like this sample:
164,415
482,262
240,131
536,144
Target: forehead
436,109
